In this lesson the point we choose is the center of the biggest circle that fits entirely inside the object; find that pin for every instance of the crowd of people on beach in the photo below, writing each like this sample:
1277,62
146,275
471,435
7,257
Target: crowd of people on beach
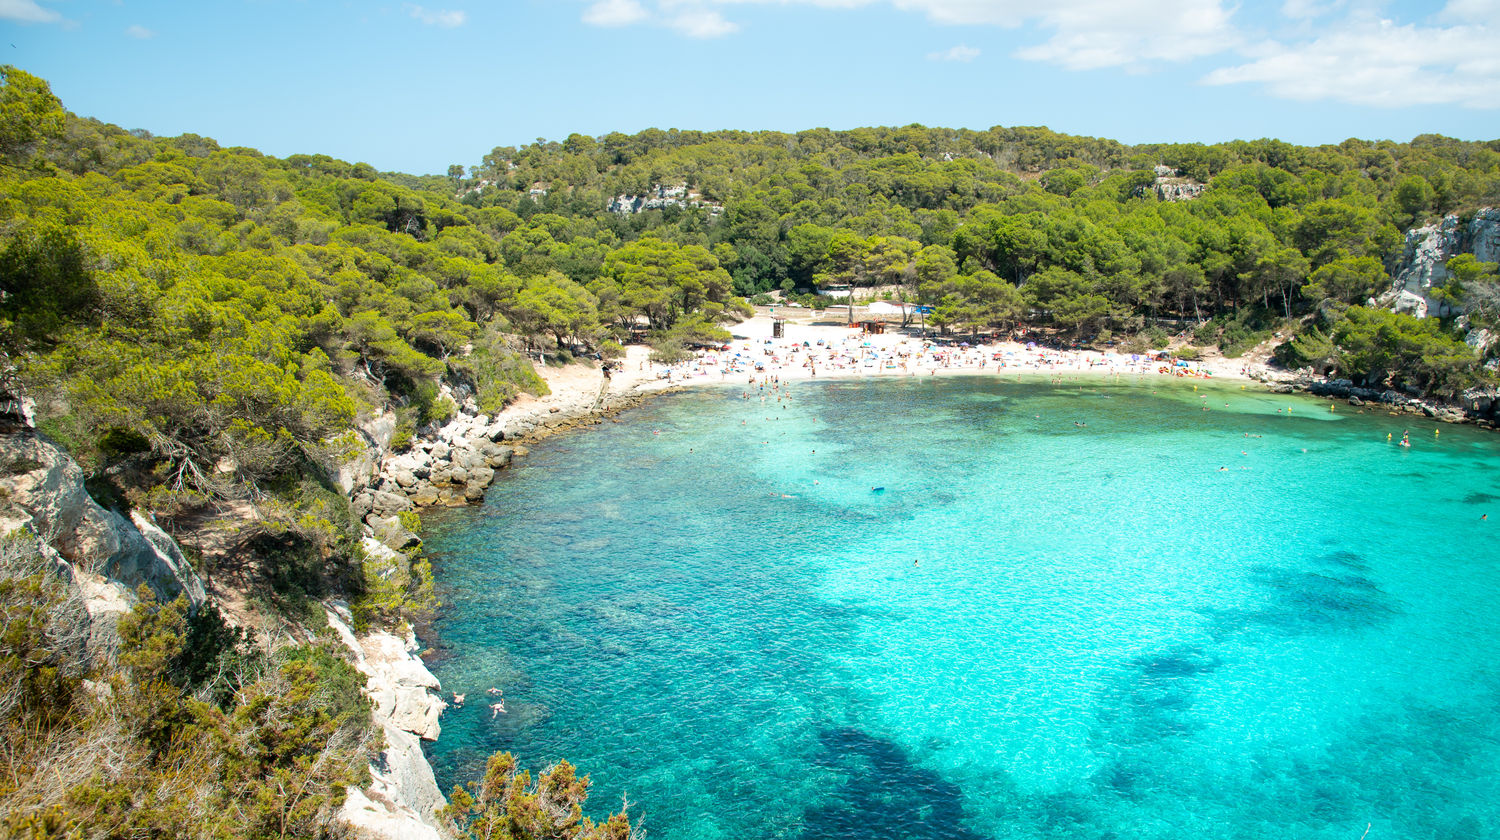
855,353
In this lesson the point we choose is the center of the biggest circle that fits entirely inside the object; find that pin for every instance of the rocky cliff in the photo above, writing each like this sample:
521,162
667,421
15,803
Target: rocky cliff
1422,266
105,554
402,798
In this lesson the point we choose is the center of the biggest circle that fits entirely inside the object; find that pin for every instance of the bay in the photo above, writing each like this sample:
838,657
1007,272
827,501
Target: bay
971,608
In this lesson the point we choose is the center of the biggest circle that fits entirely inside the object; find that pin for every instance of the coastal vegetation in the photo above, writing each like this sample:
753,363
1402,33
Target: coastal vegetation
202,326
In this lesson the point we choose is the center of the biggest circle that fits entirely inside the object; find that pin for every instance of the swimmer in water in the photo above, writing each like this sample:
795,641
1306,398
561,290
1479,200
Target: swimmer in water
497,709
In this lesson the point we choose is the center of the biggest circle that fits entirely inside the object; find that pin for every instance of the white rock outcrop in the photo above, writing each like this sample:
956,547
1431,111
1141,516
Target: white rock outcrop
403,797
41,491
374,441
1423,266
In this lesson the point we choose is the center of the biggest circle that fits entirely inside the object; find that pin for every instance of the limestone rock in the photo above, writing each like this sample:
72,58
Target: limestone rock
401,791
468,459
375,436
41,489
391,533
361,505
385,504
403,796
424,495
1423,264
170,564
483,476
499,458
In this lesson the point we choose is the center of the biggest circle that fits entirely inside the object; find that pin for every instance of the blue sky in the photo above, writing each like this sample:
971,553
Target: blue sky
416,87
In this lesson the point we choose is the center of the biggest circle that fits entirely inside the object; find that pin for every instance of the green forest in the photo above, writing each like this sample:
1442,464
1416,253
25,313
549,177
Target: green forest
198,323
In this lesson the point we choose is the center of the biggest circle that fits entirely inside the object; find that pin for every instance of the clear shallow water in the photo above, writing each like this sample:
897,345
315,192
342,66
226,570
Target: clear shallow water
1036,629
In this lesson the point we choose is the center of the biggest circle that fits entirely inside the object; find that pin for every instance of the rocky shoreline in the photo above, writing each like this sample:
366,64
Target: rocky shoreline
1478,406
451,466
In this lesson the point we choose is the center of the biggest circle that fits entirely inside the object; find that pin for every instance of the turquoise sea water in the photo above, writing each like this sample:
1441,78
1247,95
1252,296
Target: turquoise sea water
1035,629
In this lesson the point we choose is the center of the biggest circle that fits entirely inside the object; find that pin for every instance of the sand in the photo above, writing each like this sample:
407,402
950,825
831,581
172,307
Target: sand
811,349
836,351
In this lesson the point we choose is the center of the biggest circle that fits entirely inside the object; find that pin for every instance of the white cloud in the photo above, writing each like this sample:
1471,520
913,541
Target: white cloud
439,17
27,11
701,23
1470,11
138,31
1378,63
1306,9
958,53
1086,34
615,13
1094,34
1307,50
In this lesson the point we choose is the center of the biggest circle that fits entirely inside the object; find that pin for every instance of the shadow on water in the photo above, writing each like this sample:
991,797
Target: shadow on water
1412,770
1336,597
886,794
1144,713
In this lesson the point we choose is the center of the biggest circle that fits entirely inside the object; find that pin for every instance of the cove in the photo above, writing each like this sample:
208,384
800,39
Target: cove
1058,617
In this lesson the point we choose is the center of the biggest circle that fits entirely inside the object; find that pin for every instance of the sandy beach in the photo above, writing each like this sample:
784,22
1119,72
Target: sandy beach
810,350
816,349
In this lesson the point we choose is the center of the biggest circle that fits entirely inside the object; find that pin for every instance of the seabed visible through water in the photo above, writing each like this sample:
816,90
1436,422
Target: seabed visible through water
1091,609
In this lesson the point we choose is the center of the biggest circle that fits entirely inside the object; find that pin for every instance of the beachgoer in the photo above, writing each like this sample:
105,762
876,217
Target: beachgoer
497,709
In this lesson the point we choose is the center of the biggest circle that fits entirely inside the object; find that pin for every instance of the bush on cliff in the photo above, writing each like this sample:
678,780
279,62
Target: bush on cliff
187,732
507,803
